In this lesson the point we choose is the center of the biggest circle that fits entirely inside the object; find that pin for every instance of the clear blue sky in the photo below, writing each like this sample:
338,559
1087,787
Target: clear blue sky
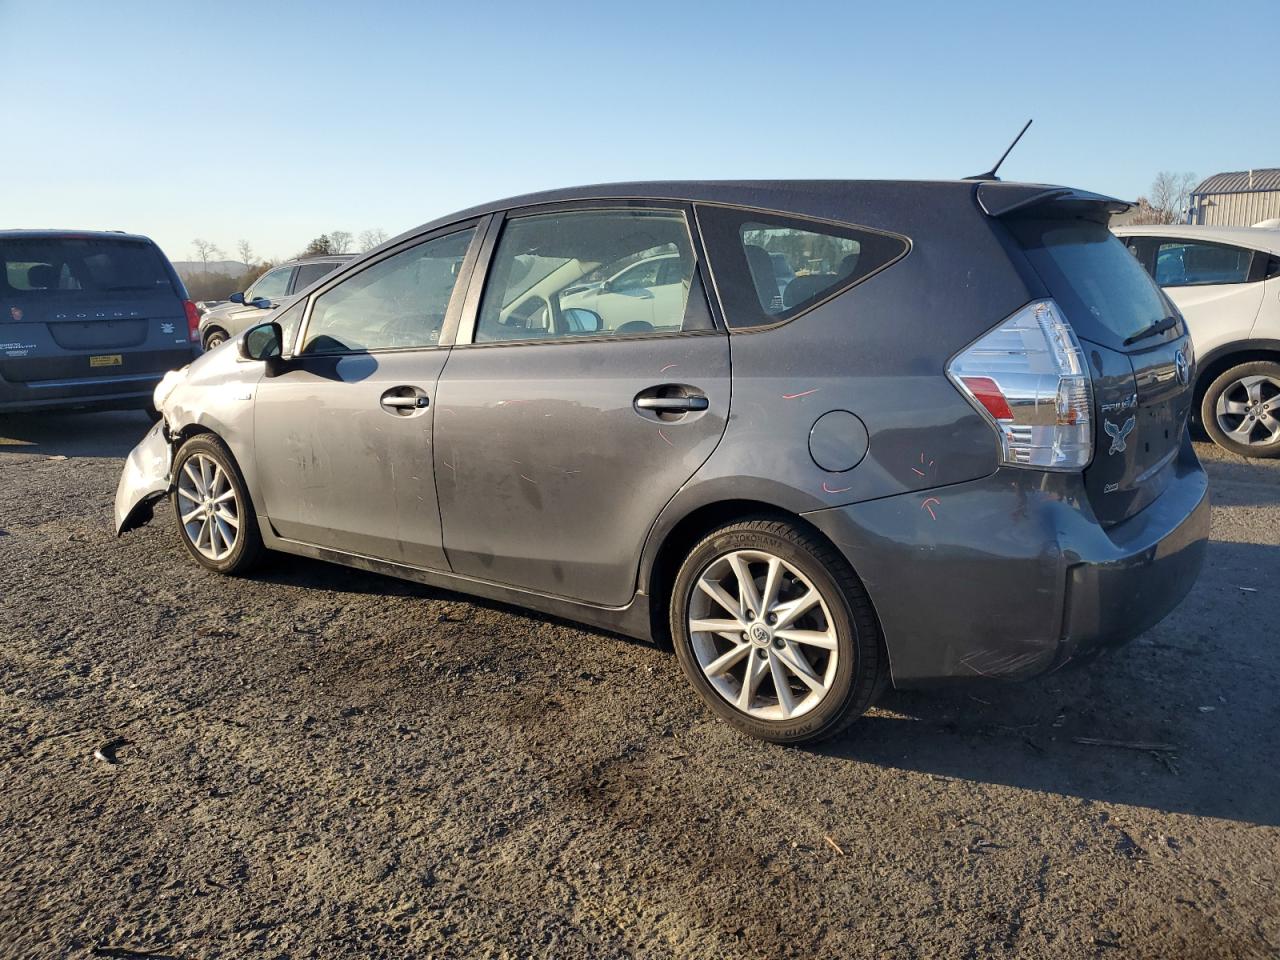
277,121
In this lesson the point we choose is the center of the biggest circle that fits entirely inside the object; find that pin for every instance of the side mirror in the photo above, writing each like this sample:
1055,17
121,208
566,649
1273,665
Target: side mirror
262,303
262,342
581,320
236,298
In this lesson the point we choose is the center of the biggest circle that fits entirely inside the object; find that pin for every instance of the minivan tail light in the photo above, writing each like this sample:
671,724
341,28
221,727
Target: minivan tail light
193,321
1028,378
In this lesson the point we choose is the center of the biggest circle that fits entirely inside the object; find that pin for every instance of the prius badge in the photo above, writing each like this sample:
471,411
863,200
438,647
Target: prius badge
1118,433
1182,367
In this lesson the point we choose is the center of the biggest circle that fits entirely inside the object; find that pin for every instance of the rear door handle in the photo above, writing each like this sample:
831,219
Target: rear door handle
672,404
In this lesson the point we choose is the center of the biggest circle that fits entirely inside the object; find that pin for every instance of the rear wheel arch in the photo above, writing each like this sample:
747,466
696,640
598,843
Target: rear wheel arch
686,533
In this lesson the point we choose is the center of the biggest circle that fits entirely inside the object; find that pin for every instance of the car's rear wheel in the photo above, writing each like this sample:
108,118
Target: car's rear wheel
1241,409
775,632
215,338
216,521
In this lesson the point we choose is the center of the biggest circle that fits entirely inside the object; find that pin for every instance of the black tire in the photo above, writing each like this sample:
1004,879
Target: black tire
248,549
862,669
215,338
1269,413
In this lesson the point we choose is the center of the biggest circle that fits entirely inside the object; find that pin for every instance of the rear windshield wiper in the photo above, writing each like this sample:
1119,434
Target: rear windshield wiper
1160,326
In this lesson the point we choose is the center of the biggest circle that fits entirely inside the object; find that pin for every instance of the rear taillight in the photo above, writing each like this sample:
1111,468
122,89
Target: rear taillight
1028,377
193,321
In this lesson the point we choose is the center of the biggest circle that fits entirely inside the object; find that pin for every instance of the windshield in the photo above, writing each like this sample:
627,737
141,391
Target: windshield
47,268
1096,281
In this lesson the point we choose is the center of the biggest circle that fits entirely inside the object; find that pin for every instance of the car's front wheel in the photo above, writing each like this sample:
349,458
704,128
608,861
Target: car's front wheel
216,521
1241,409
215,338
776,633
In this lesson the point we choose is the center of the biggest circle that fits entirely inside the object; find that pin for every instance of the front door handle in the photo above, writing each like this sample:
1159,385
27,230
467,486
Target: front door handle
403,401
672,404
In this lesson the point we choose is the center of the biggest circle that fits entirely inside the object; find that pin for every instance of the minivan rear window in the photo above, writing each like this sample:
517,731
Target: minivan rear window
1100,286
44,268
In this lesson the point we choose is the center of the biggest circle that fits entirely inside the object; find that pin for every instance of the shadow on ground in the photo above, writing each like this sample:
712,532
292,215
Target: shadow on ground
1206,694
110,433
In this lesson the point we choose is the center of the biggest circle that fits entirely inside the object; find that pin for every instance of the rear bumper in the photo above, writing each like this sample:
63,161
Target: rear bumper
1011,575
95,393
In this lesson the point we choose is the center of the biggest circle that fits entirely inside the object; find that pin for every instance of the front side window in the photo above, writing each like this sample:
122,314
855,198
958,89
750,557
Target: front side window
1184,263
771,268
272,285
396,303
592,273
288,321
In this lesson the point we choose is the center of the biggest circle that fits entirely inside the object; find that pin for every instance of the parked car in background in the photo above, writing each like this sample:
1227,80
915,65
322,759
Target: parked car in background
88,319
1226,283
278,284
809,499
649,288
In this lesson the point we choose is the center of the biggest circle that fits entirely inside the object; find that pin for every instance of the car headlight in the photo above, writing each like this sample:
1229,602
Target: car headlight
166,385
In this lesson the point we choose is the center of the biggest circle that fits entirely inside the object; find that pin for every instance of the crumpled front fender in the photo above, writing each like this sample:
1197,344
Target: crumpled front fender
145,479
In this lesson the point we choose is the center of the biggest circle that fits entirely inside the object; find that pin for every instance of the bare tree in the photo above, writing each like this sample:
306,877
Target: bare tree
372,238
206,251
246,252
339,240
1170,197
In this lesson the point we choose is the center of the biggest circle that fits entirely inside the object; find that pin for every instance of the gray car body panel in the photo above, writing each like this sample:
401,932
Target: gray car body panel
555,494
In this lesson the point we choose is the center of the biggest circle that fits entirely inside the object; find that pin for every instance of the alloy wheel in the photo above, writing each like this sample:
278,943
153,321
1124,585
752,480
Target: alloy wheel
763,635
209,508
1248,410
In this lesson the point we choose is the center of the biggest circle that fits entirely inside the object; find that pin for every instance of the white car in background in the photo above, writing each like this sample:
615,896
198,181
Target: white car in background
1226,282
646,290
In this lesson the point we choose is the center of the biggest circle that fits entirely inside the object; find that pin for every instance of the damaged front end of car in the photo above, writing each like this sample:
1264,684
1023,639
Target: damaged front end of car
146,478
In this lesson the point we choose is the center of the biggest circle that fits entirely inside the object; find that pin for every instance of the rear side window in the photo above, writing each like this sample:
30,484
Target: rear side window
1189,263
1100,286
599,272
51,268
771,268
309,273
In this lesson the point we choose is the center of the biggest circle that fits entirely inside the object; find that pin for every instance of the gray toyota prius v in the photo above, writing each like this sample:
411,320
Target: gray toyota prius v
819,436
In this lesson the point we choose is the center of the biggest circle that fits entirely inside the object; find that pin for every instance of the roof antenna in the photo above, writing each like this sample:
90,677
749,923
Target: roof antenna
991,174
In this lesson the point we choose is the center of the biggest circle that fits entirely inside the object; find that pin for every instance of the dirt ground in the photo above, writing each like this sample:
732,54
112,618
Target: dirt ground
319,762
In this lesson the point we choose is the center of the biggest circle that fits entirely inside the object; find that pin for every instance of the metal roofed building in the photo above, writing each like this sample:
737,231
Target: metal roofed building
1239,199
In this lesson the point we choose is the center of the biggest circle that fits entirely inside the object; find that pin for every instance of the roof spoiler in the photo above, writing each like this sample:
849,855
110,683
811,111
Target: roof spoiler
1030,199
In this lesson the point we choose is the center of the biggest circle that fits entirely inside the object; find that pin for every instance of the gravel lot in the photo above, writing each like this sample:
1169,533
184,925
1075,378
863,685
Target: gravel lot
319,762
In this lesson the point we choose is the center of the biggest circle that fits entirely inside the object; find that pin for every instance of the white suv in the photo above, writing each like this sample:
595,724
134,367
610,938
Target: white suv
1226,282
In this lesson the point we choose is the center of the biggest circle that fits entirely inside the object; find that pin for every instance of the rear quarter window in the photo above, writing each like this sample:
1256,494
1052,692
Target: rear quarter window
1099,284
771,268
